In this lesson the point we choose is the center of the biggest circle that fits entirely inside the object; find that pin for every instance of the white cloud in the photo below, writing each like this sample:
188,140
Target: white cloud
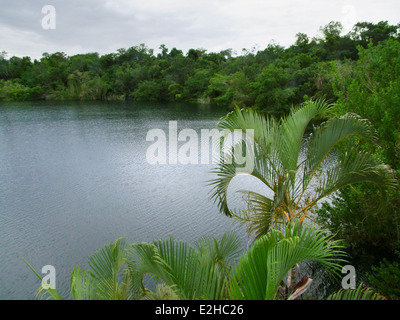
106,25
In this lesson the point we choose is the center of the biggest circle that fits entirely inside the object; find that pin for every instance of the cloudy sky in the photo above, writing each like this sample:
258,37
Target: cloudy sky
104,26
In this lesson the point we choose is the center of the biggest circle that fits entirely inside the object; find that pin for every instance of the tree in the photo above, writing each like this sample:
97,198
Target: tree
370,87
366,32
275,153
218,90
3,65
51,73
86,62
261,271
196,85
192,272
335,46
272,91
372,91
302,40
149,90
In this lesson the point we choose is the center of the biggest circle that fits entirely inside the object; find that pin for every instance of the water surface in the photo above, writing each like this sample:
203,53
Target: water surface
74,176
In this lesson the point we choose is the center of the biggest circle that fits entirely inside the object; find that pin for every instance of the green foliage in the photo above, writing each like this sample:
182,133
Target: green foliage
369,230
212,269
272,90
360,293
372,90
274,157
272,80
192,272
366,32
260,272
385,278
196,85
149,90
11,90
370,87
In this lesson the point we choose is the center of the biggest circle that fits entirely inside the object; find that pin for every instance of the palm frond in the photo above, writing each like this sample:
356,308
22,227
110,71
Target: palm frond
105,266
219,252
292,129
180,266
360,293
327,136
265,163
226,172
261,215
51,293
356,167
83,285
264,129
161,292
262,268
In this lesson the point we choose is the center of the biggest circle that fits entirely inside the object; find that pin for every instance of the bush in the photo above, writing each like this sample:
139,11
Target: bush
14,91
370,230
385,278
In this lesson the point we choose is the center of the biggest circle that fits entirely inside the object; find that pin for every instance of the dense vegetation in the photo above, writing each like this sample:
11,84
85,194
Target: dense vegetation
370,87
297,181
370,229
272,79
210,269
358,71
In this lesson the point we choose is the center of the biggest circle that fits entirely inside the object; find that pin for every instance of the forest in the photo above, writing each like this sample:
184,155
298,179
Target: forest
358,72
272,80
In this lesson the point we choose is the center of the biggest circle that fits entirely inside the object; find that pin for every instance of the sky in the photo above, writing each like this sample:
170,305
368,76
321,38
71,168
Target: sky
30,28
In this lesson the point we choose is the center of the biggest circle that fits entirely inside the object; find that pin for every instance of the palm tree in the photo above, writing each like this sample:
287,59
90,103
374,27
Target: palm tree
276,149
213,270
210,269
261,273
102,279
359,293
116,271
196,271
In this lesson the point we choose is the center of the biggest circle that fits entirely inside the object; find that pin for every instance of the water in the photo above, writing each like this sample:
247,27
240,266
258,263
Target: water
74,176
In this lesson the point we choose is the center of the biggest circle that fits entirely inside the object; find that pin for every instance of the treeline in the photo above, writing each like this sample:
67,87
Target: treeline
272,79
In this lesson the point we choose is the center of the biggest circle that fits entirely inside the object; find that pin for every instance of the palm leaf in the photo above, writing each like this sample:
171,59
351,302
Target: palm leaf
325,137
276,162
161,292
105,268
263,267
356,167
265,167
292,130
262,214
221,253
83,285
360,293
180,266
51,292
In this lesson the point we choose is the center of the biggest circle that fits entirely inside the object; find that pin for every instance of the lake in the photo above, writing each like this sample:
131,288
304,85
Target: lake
74,176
